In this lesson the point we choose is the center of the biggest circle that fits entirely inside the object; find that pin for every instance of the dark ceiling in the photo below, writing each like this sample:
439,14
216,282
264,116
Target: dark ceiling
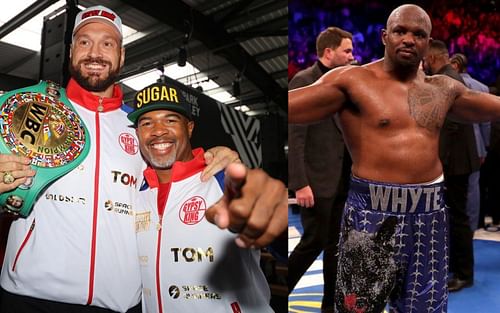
245,40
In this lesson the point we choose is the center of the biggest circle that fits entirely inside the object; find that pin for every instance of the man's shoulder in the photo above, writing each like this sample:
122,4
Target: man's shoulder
354,74
473,83
444,88
302,74
305,77
443,81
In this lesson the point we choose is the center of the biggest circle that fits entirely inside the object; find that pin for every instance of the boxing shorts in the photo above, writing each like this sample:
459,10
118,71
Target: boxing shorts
393,248
39,122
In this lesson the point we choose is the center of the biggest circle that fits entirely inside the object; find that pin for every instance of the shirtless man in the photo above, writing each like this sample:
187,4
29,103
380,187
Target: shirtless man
393,245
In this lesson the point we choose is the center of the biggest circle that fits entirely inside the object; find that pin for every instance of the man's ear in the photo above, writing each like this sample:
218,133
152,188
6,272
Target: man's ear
327,51
122,58
383,35
190,126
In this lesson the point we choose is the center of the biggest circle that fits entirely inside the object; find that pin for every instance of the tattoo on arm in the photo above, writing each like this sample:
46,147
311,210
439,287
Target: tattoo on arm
427,104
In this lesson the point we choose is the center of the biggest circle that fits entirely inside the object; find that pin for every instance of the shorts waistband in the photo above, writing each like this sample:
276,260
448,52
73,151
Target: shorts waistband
396,198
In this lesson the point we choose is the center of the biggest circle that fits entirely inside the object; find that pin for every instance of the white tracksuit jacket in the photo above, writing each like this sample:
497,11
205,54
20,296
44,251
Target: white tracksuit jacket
187,263
78,244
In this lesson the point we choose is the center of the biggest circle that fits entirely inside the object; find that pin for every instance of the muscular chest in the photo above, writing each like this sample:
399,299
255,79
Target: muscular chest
402,105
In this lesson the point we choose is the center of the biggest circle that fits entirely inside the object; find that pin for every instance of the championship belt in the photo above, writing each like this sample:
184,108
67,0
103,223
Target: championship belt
39,122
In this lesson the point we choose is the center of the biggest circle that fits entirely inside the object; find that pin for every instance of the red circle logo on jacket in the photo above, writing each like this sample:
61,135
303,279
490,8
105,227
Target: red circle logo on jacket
128,143
193,210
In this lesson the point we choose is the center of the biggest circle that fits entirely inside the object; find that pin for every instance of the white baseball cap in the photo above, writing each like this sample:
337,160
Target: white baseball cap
98,13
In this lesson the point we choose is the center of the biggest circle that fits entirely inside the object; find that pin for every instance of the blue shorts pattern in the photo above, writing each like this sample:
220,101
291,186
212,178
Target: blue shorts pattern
393,249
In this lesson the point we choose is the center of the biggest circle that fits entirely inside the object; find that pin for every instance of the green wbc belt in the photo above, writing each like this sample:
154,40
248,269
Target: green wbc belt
40,123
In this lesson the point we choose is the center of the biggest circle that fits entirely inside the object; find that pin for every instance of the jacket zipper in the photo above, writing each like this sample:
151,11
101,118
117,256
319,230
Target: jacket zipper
28,235
158,287
159,227
95,204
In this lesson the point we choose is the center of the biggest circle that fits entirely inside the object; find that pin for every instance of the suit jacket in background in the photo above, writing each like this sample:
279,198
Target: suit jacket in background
316,151
457,145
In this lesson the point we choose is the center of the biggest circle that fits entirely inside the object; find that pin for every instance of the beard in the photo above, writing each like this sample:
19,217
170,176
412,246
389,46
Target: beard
91,82
408,63
161,163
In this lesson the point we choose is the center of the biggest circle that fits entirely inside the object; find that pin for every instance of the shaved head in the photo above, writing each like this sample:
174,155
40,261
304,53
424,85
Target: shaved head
412,12
406,38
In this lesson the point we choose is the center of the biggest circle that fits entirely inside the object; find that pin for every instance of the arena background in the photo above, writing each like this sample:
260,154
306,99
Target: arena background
468,27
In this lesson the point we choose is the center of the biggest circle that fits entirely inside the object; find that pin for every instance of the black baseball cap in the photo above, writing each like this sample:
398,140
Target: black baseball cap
159,96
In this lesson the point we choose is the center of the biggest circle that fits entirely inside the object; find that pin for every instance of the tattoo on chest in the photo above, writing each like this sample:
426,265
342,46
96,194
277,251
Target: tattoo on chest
425,107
